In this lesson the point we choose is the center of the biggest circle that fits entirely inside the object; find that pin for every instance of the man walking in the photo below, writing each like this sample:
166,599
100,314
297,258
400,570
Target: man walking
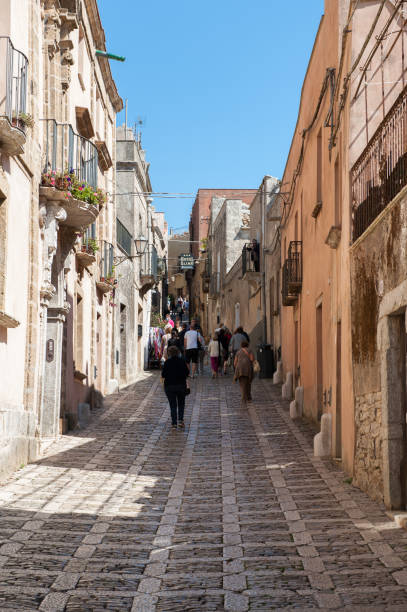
192,342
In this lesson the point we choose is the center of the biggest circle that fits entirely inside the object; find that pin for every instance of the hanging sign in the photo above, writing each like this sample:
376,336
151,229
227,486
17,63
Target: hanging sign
186,261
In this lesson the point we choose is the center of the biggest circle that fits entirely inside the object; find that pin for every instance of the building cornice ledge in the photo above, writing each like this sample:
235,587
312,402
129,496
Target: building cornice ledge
99,38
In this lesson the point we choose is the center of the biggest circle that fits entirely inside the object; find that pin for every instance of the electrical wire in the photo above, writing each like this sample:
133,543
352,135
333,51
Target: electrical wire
355,64
297,171
377,43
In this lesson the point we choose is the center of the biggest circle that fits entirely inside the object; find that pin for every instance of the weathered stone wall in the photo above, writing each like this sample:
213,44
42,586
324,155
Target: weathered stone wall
368,448
378,265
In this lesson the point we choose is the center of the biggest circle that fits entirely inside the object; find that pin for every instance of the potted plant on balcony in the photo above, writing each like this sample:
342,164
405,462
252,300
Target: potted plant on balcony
93,245
23,120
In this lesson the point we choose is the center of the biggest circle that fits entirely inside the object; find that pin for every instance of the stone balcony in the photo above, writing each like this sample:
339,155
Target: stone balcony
147,282
13,97
79,214
12,137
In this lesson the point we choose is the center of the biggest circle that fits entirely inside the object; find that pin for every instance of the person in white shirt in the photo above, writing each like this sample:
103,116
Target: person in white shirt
214,354
192,341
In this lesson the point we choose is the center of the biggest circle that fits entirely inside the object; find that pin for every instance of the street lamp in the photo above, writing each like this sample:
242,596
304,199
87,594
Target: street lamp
140,244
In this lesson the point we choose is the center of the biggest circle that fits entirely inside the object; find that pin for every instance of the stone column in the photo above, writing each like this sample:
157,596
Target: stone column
53,311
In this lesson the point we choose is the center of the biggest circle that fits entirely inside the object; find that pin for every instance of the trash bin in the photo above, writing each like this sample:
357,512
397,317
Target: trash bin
265,357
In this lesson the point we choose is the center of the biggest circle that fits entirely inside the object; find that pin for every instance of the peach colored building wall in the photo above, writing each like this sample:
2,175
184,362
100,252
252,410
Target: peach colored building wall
316,343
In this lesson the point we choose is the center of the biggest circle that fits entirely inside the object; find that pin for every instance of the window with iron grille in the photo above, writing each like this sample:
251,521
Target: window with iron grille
123,236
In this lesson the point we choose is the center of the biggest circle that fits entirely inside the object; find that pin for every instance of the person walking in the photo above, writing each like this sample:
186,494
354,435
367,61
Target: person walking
214,353
225,341
168,320
201,347
174,340
236,341
164,342
174,374
181,335
243,363
192,341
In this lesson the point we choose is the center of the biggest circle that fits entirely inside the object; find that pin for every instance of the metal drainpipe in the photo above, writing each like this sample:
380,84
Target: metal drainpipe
263,253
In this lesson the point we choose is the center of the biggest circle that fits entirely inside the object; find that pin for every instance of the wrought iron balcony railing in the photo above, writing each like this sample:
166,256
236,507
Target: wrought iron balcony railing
106,260
206,272
13,83
381,171
149,262
292,274
123,237
65,150
214,284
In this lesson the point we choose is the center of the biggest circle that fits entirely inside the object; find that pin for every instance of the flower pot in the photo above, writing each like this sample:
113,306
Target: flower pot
61,183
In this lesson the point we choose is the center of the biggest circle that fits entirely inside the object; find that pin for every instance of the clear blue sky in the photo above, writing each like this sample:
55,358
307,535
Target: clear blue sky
218,83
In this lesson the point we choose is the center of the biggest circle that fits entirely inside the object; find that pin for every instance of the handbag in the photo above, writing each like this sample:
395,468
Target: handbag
255,363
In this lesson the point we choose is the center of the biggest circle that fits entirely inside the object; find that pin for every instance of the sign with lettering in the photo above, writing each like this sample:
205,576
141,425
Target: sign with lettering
186,261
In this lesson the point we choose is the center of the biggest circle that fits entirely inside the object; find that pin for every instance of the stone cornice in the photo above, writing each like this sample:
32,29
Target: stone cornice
99,39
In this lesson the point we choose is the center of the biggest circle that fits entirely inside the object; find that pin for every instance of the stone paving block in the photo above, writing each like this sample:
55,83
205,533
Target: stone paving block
232,552
313,565
303,537
392,561
154,524
232,539
54,602
144,603
400,577
329,601
85,551
66,581
155,569
93,538
233,567
231,528
381,548
230,518
321,582
292,515
236,603
234,582
307,551
10,548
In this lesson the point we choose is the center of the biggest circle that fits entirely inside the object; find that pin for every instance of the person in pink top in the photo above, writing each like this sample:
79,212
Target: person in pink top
168,320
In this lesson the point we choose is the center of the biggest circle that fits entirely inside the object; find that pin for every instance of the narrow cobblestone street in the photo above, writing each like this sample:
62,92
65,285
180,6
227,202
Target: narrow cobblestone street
234,513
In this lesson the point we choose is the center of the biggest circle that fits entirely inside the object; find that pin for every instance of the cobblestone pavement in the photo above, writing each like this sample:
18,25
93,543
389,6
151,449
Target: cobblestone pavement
234,513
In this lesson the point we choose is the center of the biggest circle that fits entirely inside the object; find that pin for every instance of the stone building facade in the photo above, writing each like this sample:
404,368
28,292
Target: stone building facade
198,279
177,281
57,133
141,275
243,266
378,170
229,231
